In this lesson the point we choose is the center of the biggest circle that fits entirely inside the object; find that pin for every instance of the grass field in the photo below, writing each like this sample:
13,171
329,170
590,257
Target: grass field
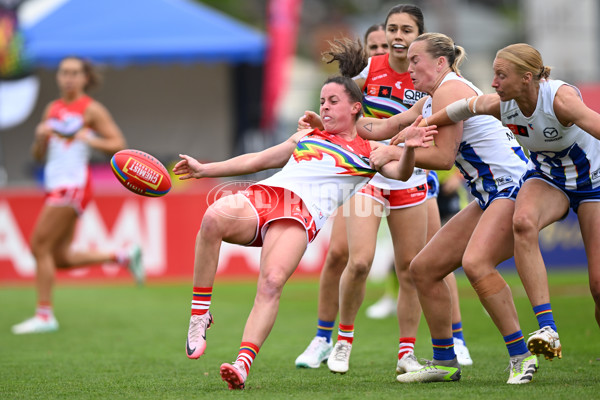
123,342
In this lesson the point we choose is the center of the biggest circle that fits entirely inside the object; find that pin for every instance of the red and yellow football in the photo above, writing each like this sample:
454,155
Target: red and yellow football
141,173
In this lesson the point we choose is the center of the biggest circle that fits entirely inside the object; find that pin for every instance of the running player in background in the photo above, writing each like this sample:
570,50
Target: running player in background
480,236
321,170
71,127
562,135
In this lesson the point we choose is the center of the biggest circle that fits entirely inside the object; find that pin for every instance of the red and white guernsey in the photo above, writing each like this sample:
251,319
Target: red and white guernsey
387,93
66,158
325,171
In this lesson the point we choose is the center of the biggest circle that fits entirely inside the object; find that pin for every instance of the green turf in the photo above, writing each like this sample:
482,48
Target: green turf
123,342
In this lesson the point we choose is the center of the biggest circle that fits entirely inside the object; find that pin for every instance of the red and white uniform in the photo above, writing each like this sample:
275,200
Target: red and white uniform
387,93
66,173
323,172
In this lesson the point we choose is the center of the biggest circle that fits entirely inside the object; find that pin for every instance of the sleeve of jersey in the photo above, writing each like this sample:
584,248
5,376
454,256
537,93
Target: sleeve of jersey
365,72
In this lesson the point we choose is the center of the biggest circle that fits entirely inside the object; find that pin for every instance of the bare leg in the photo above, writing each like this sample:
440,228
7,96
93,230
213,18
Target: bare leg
229,219
283,247
53,228
538,205
409,235
335,262
481,259
589,220
434,224
428,269
362,227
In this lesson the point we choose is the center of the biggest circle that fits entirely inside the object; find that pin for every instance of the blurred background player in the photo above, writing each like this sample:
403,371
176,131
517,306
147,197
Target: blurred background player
71,127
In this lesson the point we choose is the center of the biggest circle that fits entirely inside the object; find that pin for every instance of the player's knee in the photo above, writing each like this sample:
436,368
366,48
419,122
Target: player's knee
62,258
212,225
475,265
337,257
417,272
359,267
40,246
270,286
523,224
402,263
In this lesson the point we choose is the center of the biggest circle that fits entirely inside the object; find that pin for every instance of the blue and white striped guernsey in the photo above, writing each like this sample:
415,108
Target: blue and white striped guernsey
568,156
489,156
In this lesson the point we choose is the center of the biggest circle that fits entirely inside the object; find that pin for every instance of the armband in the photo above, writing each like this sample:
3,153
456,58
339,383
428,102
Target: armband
460,110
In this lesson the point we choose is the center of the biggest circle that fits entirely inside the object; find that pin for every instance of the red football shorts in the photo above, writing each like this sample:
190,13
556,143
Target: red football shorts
76,197
393,199
274,203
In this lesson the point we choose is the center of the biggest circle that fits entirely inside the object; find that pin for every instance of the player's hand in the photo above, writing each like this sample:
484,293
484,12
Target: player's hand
415,136
42,132
383,155
310,120
397,139
85,135
188,168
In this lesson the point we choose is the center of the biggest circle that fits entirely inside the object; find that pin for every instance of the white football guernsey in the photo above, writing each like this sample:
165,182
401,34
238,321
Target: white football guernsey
568,156
489,156
325,171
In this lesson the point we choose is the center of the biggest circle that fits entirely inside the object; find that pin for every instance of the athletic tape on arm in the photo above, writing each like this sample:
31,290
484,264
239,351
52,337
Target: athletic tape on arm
460,110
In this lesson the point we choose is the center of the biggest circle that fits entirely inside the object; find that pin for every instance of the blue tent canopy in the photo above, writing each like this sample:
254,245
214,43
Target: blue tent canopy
122,32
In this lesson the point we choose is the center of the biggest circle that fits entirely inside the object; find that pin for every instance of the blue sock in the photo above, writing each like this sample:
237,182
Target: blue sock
544,316
325,328
443,349
515,344
457,331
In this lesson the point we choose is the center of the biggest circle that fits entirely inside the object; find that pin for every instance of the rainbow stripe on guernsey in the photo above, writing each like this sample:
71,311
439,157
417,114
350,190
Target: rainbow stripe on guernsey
316,149
381,107
124,177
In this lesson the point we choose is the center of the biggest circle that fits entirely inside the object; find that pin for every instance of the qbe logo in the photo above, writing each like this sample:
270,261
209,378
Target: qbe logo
411,96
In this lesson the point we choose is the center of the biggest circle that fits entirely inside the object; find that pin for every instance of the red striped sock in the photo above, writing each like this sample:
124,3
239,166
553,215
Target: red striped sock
44,310
346,332
247,354
407,345
201,300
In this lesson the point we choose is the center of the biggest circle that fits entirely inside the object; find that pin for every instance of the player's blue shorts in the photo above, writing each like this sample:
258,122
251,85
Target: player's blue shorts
507,193
576,197
433,185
